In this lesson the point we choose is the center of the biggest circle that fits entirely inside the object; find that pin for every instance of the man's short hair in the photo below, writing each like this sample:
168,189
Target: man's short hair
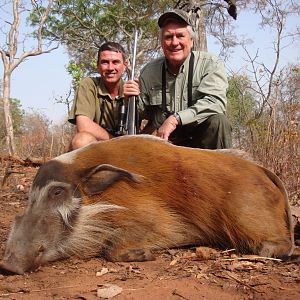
189,28
111,46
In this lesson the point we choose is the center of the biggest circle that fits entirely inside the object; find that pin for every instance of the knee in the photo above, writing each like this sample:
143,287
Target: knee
220,130
218,120
82,139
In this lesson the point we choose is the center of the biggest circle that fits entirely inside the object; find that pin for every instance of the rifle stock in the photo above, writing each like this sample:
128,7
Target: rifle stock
131,116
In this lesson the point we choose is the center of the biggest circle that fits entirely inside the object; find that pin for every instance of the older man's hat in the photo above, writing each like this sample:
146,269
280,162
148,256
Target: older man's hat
176,14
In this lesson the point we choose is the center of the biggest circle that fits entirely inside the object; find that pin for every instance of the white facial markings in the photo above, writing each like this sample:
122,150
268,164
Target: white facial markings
35,194
67,209
90,232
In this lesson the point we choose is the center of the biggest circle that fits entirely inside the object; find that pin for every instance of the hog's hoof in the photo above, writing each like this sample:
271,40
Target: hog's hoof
282,249
137,255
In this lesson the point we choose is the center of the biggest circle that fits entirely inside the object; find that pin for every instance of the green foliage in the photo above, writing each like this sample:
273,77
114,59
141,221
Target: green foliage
17,117
241,103
77,71
17,114
84,25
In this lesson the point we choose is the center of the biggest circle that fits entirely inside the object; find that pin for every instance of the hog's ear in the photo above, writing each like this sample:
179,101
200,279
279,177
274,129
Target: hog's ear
101,177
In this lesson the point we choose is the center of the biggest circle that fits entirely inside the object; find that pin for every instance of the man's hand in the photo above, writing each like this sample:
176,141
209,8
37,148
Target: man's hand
168,126
131,88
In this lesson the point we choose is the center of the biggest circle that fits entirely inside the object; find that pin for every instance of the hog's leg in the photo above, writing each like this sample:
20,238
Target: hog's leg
280,248
128,255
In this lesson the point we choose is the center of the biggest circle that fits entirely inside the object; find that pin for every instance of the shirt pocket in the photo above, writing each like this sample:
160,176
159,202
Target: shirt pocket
155,95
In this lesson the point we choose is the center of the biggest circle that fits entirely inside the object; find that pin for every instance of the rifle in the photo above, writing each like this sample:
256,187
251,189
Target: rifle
131,119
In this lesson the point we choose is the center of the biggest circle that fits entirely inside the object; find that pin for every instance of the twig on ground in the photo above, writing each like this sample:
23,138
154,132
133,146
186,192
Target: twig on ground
179,295
243,283
263,258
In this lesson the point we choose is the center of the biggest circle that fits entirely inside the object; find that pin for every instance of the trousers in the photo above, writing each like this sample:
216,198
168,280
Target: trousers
213,133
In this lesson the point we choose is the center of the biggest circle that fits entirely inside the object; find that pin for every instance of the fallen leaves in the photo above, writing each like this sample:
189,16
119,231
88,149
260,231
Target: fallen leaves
205,253
102,272
108,291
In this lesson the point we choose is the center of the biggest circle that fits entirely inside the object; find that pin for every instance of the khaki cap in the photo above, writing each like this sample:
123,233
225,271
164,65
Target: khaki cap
177,14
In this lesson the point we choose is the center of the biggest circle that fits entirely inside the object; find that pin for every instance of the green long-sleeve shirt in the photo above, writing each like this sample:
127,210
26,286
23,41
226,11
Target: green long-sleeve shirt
208,92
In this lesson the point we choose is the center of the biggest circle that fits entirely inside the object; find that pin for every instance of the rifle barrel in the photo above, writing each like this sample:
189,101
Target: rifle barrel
134,54
131,111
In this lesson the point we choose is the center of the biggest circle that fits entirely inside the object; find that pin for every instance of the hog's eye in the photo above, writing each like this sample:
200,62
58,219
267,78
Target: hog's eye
41,249
57,191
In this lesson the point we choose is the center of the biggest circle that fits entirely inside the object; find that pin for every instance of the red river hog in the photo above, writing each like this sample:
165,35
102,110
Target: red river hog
123,198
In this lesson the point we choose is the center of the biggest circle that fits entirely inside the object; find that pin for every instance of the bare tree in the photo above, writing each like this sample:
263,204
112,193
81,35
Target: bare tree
272,131
10,54
202,12
267,78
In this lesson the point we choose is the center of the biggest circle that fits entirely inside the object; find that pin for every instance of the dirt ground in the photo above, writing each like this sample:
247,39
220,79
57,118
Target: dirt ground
194,273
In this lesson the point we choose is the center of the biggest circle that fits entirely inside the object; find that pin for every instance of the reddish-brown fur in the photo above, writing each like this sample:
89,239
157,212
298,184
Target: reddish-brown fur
203,197
125,197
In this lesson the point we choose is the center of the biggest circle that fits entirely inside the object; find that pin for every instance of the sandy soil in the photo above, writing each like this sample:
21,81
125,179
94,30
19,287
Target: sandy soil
176,274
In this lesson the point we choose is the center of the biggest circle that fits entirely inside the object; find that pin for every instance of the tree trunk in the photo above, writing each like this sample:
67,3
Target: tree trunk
7,114
200,42
10,48
197,15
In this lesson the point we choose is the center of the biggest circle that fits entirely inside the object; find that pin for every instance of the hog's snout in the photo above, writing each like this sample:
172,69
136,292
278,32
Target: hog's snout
9,267
11,264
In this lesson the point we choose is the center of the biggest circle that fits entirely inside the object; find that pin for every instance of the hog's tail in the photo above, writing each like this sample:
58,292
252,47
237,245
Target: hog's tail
278,182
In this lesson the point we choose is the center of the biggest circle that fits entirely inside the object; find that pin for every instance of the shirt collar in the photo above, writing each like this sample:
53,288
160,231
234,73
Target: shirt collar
183,67
103,91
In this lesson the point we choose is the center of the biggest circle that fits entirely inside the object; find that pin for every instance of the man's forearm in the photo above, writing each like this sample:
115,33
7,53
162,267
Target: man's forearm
202,109
85,124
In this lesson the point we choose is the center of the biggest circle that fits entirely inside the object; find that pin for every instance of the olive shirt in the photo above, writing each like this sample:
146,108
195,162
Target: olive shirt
208,88
93,100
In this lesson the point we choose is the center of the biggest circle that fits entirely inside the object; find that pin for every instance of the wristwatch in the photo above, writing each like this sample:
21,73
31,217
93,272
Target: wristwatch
176,115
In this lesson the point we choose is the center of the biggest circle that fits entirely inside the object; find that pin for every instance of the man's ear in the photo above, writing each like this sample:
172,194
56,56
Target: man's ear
103,176
125,65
